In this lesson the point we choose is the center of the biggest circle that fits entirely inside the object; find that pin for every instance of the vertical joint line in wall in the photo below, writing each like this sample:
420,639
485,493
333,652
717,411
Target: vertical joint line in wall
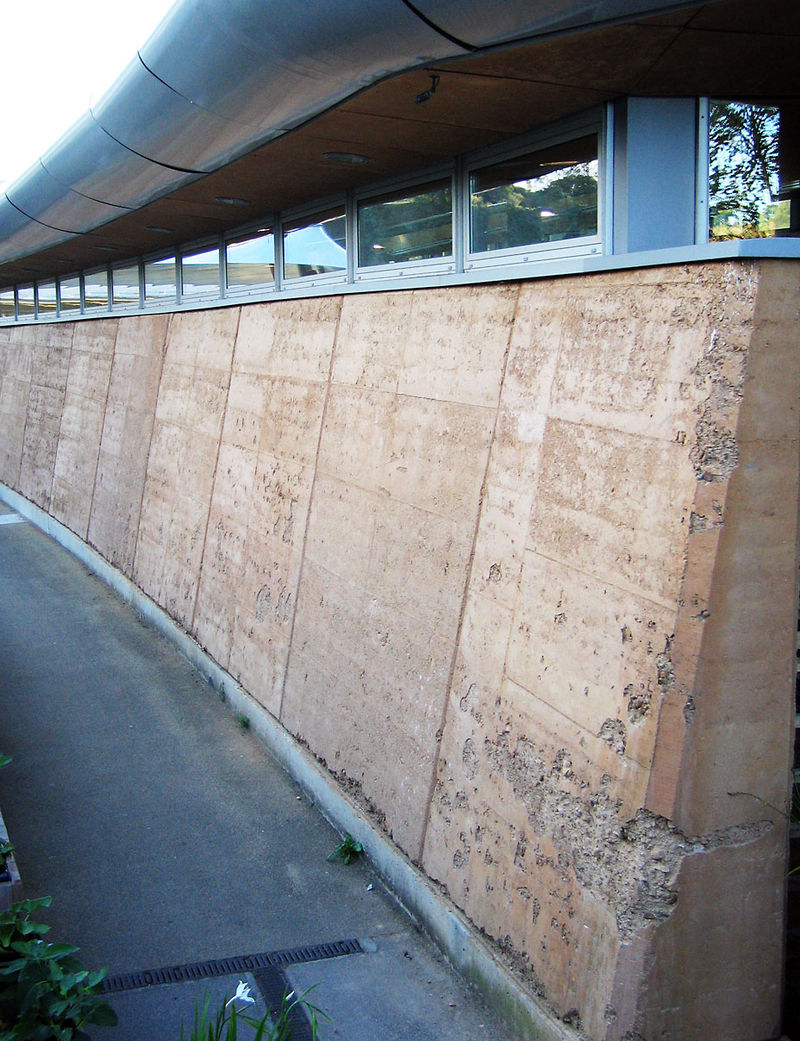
310,506
24,430
467,583
167,330
60,423
102,428
214,479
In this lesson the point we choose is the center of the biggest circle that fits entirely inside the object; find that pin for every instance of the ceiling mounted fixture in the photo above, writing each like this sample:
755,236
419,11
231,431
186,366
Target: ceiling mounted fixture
426,95
348,158
230,200
157,230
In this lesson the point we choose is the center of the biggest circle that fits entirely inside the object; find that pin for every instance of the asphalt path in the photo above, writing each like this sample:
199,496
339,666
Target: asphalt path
168,837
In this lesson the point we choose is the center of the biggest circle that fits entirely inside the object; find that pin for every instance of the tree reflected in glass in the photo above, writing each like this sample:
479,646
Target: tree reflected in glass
743,171
546,196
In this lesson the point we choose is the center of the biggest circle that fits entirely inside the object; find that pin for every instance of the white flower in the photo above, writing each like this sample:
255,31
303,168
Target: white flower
242,994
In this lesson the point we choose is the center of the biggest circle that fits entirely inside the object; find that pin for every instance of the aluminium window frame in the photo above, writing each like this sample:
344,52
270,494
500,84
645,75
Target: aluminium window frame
167,302
69,311
126,305
89,274
527,261
304,214
18,291
703,178
702,192
13,292
190,249
38,285
411,268
245,233
594,121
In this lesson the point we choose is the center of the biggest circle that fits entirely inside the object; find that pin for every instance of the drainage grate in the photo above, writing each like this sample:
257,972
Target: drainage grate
202,970
274,984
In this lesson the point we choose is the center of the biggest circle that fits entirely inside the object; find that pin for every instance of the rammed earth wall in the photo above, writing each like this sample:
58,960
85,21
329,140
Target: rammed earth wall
517,563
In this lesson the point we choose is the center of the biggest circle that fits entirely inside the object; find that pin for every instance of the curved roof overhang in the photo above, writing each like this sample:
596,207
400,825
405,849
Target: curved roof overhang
232,110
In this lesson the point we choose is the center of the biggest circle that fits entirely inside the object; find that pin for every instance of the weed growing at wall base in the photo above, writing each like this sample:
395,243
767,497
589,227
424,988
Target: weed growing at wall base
346,850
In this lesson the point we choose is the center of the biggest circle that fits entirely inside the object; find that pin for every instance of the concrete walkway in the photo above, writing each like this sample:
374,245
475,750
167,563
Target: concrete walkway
167,836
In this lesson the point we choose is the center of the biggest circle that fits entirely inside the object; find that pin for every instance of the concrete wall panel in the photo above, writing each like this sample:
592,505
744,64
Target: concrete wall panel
16,348
125,442
402,460
51,347
82,423
262,489
183,456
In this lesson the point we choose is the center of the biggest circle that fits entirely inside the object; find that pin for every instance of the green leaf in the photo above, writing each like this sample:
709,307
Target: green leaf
59,950
102,1015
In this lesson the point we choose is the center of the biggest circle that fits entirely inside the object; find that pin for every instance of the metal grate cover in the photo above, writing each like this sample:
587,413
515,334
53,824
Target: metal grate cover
201,970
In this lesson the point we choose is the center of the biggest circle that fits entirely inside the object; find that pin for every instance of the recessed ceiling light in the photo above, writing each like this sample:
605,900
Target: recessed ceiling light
231,200
106,249
348,158
157,230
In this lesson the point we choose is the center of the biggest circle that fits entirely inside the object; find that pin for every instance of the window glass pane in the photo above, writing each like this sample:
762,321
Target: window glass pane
200,273
315,246
70,289
25,300
95,290
753,170
412,224
7,303
545,196
251,261
160,280
45,298
125,285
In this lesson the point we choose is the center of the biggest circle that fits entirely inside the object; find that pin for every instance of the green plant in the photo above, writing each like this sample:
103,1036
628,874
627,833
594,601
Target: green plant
243,721
45,992
346,849
6,849
224,1025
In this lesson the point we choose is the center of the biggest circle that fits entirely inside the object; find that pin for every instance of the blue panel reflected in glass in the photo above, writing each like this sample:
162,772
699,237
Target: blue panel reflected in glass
250,261
315,246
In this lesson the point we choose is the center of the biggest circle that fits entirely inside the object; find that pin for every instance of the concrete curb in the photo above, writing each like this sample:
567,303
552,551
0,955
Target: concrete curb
461,943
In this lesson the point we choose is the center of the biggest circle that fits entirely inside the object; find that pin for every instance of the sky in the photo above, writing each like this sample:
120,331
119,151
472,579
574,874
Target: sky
59,57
